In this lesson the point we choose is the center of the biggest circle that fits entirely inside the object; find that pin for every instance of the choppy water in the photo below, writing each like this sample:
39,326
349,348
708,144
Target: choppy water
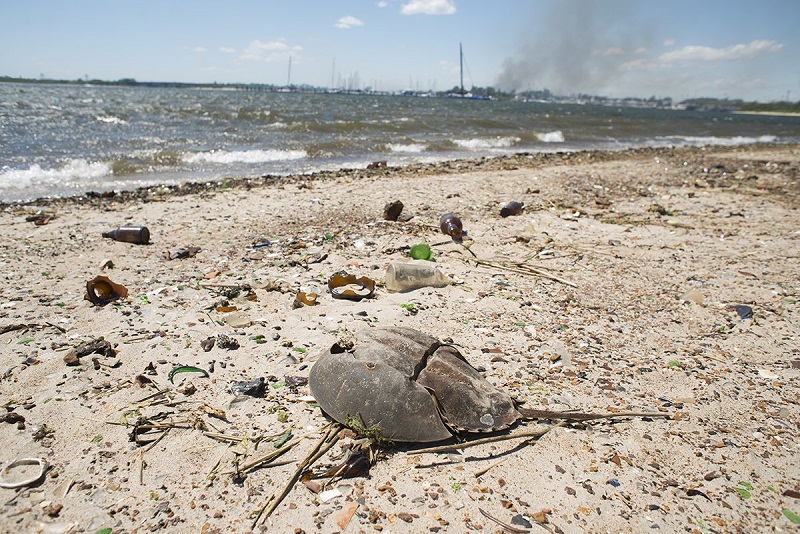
67,140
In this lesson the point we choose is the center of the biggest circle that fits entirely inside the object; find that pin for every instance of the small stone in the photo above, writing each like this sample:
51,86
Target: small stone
405,516
392,210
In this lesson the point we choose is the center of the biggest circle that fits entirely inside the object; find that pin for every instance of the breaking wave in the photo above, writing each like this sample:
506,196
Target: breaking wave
34,176
244,156
551,137
483,143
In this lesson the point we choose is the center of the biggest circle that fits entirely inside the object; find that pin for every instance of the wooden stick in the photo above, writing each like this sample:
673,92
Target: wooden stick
484,441
536,433
320,448
526,270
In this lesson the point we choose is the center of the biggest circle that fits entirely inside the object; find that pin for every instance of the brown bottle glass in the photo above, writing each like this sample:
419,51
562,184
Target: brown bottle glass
139,235
451,225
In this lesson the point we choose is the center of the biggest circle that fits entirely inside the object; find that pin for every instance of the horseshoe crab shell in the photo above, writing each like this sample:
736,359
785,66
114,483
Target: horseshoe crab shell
410,386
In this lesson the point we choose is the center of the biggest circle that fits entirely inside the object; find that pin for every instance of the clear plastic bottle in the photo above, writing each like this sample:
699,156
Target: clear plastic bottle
451,225
414,274
139,235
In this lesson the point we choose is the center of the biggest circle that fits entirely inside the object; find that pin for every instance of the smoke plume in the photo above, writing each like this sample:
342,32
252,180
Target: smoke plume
575,48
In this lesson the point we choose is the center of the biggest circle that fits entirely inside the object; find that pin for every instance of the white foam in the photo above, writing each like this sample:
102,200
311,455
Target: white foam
244,156
410,147
74,170
551,137
726,141
110,119
496,142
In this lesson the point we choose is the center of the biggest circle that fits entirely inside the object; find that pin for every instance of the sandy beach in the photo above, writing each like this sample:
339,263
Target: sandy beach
648,280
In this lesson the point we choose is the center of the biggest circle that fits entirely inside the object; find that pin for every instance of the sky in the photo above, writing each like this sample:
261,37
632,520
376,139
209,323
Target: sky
681,49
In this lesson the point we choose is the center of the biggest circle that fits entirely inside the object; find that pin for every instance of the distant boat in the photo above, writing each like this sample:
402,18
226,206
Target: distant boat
462,93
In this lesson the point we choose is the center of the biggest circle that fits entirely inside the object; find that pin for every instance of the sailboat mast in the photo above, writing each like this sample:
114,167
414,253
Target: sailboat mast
461,64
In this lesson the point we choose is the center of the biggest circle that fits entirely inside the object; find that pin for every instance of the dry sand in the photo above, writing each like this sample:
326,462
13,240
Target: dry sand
647,252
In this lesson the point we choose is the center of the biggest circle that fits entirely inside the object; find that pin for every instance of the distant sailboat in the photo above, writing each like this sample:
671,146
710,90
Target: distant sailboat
462,93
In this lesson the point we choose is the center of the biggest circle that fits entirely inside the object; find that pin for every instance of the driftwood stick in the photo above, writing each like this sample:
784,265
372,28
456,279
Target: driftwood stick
535,434
525,270
466,444
270,455
321,447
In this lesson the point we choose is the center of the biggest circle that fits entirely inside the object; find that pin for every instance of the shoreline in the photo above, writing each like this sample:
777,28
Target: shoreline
521,159
652,280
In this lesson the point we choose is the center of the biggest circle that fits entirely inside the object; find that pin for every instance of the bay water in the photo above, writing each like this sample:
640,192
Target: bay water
66,140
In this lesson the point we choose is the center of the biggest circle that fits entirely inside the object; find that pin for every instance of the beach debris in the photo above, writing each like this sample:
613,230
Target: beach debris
138,235
208,343
295,381
693,296
97,346
421,251
451,225
302,298
414,274
377,165
411,387
392,210
347,286
101,290
106,264
744,311
227,342
512,208
25,482
180,253
186,369
505,526
252,388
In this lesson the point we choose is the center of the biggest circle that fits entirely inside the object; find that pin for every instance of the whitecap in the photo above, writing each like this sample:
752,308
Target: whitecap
484,143
410,147
73,170
551,137
244,156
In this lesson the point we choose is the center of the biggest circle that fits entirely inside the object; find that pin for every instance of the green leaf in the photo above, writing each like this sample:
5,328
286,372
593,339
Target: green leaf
521,324
791,516
25,341
673,363
106,530
281,440
278,385
300,349
746,485
743,493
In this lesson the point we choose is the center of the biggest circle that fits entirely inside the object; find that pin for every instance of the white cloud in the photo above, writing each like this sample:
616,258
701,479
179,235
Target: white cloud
612,52
348,22
271,51
428,7
636,64
200,49
382,4
729,53
669,42
226,50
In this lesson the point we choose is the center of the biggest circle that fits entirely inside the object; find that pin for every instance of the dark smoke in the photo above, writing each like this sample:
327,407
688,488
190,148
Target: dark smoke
566,51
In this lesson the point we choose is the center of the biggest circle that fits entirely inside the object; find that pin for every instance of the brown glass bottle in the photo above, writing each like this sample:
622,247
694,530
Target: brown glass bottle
451,225
139,235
